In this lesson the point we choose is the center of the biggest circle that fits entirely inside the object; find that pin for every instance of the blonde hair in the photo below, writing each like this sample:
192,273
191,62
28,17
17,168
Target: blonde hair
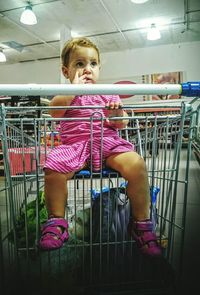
72,44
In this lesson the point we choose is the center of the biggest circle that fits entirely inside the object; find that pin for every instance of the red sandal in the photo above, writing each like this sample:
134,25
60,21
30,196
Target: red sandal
146,240
54,234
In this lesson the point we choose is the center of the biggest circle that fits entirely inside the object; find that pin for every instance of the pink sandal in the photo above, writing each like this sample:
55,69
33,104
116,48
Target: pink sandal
146,240
54,234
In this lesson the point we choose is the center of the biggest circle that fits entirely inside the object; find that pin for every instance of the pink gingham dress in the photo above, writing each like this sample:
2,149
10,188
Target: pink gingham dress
81,140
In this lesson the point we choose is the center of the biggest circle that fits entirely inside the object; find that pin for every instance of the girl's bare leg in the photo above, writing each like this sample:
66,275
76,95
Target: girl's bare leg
132,167
56,192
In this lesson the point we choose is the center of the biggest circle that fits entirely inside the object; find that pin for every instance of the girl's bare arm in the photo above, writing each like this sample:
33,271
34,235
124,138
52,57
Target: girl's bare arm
59,100
115,110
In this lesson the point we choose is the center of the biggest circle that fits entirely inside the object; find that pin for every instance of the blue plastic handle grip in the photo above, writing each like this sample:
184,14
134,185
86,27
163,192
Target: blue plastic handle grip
191,89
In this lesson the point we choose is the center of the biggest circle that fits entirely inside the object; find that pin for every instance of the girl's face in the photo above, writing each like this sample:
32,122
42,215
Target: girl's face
83,62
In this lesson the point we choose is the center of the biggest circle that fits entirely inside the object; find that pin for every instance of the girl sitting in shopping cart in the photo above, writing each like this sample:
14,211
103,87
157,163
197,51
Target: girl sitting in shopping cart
81,65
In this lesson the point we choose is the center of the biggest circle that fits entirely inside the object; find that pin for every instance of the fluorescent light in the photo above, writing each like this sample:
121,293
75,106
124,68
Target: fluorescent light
2,56
28,16
139,1
153,33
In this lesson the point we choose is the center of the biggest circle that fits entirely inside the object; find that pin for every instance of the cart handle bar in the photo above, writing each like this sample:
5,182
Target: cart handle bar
190,89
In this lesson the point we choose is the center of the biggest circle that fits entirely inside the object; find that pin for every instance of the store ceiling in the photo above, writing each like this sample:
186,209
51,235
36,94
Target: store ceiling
114,25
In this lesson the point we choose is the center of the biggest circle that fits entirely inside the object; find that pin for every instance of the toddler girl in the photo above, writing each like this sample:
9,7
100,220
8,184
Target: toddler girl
81,65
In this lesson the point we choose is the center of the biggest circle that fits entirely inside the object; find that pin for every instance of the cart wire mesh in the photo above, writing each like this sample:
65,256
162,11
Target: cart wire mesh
100,256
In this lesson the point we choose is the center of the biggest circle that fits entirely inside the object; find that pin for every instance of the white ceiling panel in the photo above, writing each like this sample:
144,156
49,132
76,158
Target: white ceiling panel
112,24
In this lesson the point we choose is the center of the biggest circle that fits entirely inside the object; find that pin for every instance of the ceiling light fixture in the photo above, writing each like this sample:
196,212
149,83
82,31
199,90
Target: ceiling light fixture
153,33
139,1
2,56
28,17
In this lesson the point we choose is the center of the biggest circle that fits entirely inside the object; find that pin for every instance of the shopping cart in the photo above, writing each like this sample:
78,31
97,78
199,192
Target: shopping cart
99,257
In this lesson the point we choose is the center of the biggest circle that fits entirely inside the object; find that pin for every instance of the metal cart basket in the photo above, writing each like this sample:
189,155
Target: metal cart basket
100,256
